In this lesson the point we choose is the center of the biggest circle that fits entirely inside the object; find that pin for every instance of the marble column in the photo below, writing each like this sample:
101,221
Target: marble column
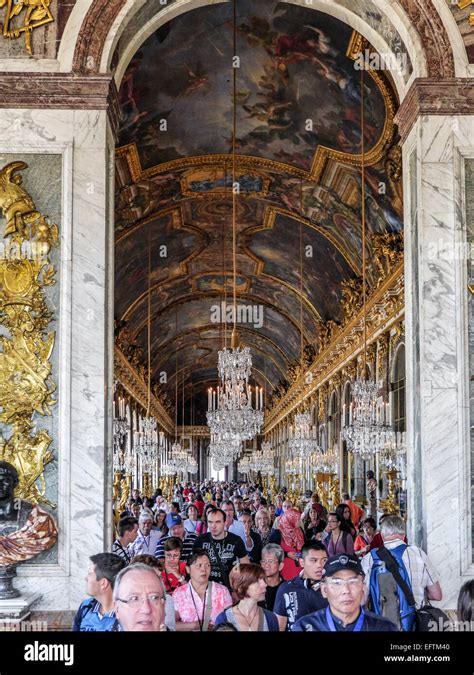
84,340
437,394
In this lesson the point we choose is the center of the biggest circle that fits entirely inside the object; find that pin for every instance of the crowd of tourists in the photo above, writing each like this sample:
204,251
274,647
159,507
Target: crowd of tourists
219,556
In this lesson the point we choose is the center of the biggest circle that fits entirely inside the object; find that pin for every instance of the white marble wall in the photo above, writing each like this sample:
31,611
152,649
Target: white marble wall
437,395
85,336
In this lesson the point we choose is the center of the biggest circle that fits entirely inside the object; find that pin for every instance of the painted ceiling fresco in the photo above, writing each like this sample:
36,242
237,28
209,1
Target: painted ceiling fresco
293,70
174,180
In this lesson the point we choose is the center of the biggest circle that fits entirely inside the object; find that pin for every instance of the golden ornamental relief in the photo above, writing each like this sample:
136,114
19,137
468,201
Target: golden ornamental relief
22,17
26,384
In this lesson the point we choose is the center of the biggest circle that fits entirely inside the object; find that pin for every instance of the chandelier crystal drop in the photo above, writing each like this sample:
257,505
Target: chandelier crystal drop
302,438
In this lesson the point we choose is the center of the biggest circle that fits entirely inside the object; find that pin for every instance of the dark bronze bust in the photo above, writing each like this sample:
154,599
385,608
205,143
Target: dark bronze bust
25,529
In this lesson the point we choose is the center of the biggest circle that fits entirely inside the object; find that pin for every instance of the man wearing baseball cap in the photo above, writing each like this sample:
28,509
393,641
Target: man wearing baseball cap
176,529
343,586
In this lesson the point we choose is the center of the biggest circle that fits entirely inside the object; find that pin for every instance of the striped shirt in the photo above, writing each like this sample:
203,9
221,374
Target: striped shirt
144,544
417,564
124,552
188,545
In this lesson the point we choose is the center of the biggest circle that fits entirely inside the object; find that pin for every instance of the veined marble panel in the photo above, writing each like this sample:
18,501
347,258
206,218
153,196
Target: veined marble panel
435,296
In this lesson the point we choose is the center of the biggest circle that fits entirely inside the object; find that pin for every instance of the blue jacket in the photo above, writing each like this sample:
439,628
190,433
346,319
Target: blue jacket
317,622
295,599
87,618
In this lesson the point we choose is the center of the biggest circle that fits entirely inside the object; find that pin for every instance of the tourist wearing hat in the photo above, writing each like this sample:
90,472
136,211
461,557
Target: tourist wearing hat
175,526
343,586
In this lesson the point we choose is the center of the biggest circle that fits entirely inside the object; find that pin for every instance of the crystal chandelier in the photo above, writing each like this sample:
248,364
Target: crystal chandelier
224,451
146,442
244,466
302,436
292,466
231,416
393,453
326,462
367,433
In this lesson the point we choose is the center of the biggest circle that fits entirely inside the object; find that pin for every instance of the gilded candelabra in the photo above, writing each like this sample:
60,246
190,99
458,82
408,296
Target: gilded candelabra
273,488
320,481
334,491
390,504
26,384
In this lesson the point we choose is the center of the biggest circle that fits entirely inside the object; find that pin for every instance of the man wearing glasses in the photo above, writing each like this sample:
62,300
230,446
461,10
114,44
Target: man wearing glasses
139,599
343,586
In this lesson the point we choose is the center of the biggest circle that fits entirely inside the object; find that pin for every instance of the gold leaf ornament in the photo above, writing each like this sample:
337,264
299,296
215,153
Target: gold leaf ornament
26,346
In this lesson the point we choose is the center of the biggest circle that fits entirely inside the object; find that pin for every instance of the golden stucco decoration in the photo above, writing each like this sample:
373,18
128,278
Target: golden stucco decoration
26,384
22,17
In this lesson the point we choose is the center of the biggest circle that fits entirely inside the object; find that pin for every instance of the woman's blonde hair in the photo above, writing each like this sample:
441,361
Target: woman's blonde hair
261,512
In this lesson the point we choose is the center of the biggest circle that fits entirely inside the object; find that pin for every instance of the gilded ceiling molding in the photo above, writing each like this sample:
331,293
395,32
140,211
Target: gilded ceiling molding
225,192
431,96
396,337
176,216
138,390
228,281
384,308
382,350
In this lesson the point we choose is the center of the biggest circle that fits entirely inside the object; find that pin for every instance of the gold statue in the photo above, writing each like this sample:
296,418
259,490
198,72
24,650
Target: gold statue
26,384
15,203
387,249
351,297
37,14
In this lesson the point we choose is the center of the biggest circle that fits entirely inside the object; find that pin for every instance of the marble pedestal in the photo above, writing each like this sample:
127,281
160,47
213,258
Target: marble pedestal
17,609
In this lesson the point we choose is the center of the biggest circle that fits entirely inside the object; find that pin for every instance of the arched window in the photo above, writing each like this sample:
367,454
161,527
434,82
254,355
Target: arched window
398,390
333,420
347,398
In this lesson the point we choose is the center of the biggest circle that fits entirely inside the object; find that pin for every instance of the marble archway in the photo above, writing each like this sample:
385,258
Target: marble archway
93,32
60,107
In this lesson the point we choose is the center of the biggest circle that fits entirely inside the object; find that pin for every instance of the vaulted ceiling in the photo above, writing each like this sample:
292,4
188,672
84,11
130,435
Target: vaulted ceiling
298,166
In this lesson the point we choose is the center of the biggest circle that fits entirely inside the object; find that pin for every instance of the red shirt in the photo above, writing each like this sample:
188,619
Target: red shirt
171,581
200,507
